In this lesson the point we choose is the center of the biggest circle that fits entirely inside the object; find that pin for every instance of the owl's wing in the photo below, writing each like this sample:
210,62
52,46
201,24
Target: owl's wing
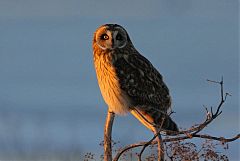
142,82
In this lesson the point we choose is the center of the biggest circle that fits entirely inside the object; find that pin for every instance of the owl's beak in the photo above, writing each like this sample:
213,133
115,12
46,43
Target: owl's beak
113,44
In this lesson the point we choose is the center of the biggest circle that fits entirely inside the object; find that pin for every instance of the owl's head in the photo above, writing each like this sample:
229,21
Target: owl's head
111,36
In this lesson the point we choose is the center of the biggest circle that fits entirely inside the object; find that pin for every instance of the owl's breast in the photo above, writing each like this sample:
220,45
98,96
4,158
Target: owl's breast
109,83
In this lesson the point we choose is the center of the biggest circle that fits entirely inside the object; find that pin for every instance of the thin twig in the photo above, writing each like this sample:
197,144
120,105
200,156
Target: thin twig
131,146
191,132
146,145
160,146
210,118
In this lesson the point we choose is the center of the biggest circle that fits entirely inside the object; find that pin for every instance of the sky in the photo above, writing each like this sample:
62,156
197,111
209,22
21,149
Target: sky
49,96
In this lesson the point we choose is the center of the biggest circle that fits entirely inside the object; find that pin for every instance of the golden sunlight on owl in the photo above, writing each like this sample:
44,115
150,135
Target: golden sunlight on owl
128,81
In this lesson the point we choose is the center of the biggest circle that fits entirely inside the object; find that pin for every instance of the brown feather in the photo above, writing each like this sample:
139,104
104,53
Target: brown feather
129,82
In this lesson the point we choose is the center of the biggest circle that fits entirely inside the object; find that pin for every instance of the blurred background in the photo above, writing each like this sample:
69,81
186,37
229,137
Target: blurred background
50,104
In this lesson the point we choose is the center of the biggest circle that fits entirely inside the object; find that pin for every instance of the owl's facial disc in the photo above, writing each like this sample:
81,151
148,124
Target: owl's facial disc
120,39
111,39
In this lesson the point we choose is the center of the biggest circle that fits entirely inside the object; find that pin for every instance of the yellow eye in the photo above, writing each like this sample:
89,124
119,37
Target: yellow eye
104,37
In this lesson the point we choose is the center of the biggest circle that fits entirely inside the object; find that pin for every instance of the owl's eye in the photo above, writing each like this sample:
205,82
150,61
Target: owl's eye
104,37
119,37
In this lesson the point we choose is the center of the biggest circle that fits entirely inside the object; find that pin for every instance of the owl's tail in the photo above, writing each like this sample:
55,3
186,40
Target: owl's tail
155,119
170,125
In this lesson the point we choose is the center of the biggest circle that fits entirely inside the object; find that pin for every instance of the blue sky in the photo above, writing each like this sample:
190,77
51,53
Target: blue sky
48,87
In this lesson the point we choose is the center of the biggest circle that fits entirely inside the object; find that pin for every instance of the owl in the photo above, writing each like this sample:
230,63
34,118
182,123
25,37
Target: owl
128,81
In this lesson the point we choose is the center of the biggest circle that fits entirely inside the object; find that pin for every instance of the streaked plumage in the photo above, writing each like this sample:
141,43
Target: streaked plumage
128,81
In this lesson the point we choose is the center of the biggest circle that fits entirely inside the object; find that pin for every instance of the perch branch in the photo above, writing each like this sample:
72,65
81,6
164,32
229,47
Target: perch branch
108,136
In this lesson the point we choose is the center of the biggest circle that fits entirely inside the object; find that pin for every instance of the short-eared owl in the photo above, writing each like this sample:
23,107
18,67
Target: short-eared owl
128,81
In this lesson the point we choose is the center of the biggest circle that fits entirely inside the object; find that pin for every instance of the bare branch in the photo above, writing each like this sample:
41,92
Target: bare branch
210,117
201,136
131,146
146,145
191,132
108,136
159,141
128,147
